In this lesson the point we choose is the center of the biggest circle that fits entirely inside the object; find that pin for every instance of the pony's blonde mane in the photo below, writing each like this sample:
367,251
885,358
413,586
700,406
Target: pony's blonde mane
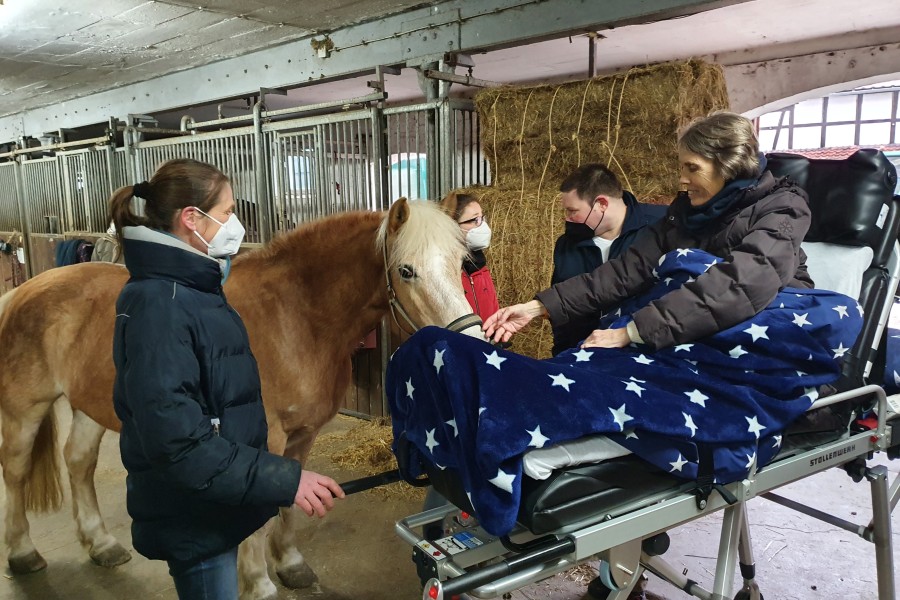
427,230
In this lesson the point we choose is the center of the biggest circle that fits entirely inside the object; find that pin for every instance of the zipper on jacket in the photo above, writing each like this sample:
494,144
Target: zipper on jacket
215,424
474,293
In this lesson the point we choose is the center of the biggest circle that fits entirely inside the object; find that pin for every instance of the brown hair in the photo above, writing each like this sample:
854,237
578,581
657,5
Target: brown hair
592,180
175,185
728,140
462,201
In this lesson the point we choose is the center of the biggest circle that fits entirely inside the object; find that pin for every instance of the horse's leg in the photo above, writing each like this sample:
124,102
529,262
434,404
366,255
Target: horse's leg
81,451
25,489
253,572
290,565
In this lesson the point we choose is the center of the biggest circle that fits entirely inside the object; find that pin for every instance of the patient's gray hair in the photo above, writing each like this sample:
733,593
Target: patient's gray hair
726,138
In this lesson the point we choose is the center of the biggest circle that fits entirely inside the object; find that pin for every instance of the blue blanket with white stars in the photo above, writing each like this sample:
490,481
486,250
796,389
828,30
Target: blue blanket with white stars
466,405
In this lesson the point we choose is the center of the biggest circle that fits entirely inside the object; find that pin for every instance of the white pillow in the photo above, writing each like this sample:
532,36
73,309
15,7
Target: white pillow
837,268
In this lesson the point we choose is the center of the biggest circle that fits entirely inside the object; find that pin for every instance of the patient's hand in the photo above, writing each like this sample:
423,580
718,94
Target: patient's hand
501,325
607,338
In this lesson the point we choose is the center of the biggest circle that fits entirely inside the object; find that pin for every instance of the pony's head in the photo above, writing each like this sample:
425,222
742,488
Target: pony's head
424,250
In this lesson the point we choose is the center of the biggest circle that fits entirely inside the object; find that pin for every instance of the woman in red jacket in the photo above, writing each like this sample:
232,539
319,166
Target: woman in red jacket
476,278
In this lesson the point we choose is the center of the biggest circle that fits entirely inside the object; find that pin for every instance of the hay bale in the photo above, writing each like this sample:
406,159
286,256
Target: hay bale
628,120
535,136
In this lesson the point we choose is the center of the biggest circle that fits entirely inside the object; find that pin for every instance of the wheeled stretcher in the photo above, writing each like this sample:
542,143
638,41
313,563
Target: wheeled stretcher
619,510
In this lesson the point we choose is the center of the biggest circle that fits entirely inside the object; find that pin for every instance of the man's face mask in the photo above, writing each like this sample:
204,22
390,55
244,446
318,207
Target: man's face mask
580,232
227,240
479,238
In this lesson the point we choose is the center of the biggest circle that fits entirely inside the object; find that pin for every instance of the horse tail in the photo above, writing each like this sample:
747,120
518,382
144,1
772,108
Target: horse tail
43,489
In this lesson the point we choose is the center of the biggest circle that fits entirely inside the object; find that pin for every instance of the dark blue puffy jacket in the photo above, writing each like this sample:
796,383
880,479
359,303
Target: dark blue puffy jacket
196,487
575,258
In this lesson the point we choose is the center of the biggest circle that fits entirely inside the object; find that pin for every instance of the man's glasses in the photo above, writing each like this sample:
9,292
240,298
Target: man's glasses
476,220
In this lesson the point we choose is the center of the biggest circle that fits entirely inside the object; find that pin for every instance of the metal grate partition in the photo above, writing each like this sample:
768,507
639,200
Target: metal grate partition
323,165
85,180
9,200
42,195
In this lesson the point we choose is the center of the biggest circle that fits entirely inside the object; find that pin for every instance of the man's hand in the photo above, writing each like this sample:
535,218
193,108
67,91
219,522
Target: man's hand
501,325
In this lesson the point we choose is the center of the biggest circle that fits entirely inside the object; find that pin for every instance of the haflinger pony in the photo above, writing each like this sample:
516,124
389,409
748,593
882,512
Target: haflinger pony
307,298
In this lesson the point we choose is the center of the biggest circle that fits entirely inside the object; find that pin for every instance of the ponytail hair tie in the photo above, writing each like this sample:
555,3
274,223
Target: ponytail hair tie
142,190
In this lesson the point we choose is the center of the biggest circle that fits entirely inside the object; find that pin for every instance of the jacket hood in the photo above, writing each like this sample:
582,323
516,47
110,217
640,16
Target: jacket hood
152,254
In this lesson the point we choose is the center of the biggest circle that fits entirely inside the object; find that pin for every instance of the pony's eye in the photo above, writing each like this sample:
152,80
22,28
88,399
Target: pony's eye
406,272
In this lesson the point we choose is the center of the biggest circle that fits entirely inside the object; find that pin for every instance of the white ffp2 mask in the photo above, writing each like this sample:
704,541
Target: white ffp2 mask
479,238
228,238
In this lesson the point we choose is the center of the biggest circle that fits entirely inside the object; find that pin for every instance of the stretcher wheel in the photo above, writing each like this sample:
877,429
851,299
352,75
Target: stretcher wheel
747,595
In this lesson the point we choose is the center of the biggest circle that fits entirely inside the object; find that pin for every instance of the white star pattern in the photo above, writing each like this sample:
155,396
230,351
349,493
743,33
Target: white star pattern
494,359
538,439
684,251
757,332
503,480
697,397
621,417
679,462
737,352
841,310
631,435
642,359
668,280
452,423
800,320
801,374
776,441
409,388
481,410
683,347
438,360
840,351
690,280
583,356
441,467
753,426
655,274
751,460
710,265
689,423
431,443
561,380
632,386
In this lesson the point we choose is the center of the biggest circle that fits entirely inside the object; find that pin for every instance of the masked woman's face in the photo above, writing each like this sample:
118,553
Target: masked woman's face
699,177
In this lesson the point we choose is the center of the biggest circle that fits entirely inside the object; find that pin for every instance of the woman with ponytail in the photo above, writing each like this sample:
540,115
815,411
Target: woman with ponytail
187,387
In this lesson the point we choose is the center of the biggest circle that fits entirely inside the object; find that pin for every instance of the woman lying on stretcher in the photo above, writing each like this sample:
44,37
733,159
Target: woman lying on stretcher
729,207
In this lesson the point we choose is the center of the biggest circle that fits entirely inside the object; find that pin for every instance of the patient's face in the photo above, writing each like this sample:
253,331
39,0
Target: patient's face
699,177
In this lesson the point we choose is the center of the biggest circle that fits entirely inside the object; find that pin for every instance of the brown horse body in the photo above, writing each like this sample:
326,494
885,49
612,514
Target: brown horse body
306,300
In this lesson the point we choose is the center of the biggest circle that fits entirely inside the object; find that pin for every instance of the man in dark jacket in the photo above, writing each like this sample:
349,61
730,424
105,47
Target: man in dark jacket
602,220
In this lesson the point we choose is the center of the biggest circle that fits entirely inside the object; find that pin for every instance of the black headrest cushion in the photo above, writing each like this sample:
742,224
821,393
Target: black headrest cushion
849,199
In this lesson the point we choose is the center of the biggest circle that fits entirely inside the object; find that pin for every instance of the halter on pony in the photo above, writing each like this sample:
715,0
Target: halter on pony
457,325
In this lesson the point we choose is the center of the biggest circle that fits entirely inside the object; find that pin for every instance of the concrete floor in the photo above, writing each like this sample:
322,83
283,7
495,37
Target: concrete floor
357,556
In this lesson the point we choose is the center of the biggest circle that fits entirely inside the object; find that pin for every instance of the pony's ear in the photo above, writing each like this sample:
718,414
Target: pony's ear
398,215
449,203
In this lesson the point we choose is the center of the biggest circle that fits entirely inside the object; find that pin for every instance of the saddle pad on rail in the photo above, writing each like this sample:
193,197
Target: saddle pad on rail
466,405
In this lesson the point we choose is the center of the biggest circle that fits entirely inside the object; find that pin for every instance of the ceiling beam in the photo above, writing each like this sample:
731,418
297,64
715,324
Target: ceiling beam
410,38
